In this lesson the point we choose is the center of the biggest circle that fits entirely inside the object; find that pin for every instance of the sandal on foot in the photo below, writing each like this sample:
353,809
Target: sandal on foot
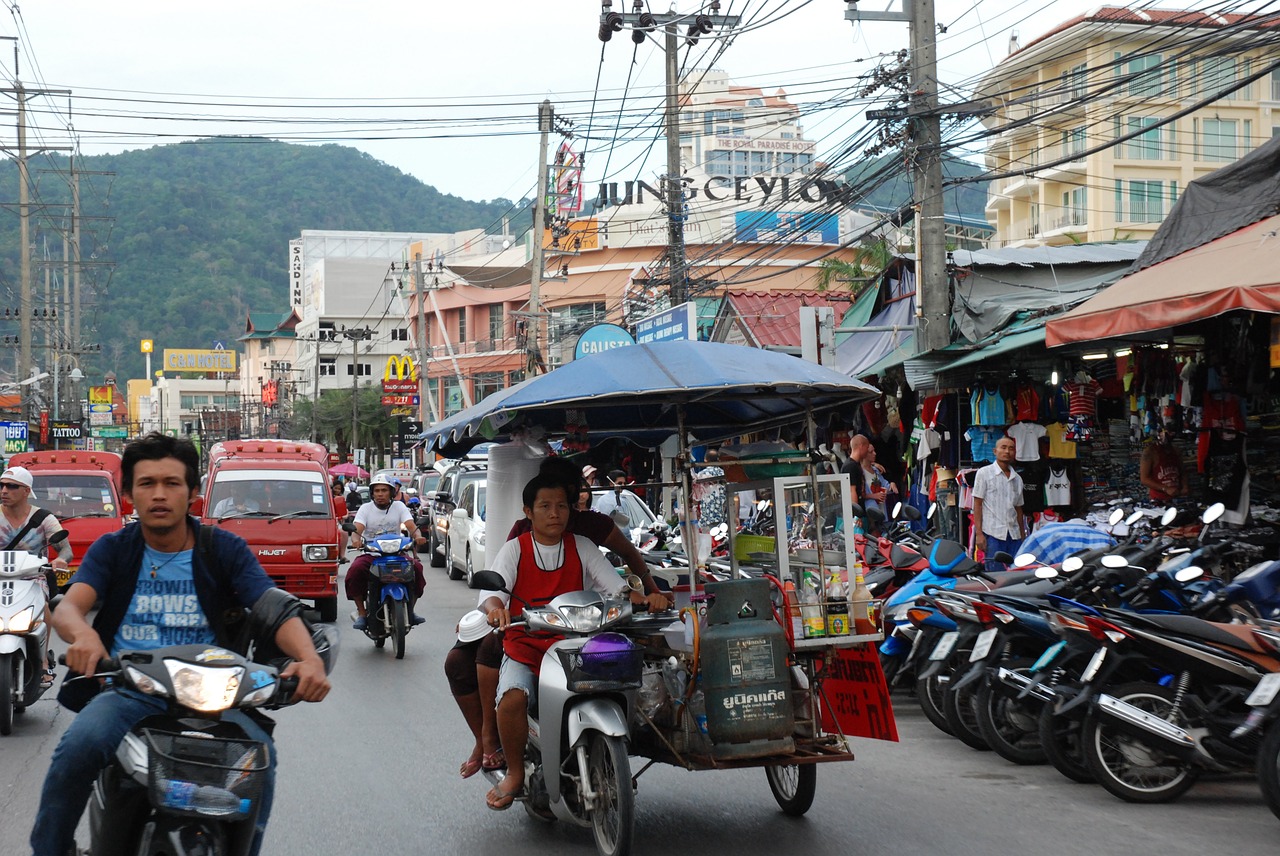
469,768
494,761
500,800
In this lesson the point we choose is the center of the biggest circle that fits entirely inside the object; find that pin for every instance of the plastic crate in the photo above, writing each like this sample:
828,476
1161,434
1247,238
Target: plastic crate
745,545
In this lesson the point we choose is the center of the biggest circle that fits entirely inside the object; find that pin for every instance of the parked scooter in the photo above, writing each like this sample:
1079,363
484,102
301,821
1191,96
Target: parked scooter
25,668
390,578
576,764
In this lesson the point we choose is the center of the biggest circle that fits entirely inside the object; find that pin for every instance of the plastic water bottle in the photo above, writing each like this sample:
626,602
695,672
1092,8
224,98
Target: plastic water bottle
205,799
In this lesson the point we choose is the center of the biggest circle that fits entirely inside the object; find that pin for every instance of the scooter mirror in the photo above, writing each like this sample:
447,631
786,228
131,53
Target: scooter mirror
1071,564
1024,560
1117,514
1133,518
1115,562
933,509
897,510
1189,573
1213,512
1169,515
488,581
58,537
762,506
1046,573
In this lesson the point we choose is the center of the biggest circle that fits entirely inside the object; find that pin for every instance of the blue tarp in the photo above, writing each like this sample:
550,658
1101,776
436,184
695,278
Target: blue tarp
723,391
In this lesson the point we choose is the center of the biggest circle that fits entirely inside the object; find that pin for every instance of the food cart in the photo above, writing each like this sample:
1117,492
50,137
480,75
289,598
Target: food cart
756,672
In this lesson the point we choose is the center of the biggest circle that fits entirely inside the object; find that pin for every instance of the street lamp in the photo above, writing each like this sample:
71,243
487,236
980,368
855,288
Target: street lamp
75,376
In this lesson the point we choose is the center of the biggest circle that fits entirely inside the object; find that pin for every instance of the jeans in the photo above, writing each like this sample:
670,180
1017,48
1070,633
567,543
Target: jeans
88,746
995,545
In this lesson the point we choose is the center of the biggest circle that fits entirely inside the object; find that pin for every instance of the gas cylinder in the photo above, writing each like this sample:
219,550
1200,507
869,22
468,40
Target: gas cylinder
744,673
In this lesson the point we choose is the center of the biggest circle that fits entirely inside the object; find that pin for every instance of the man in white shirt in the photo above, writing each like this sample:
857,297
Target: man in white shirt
998,521
382,516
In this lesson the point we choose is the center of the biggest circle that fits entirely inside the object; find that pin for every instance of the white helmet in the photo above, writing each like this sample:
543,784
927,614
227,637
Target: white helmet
381,478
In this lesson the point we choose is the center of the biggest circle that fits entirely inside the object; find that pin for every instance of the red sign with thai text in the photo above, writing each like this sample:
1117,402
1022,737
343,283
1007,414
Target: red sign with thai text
855,697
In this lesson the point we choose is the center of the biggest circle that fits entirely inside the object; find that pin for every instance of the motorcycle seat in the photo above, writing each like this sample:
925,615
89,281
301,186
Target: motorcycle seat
903,558
1238,636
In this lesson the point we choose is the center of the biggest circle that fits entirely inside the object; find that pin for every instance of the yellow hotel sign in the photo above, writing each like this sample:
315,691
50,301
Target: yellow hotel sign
186,360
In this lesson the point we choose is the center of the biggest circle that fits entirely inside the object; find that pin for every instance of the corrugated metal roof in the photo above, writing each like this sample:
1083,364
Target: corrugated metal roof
1098,253
773,317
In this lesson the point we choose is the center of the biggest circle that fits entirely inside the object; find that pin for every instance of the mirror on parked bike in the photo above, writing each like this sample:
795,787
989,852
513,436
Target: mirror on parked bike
1071,564
1213,512
1115,562
1116,515
1133,518
933,510
1189,573
1169,515
1024,560
1044,572
897,510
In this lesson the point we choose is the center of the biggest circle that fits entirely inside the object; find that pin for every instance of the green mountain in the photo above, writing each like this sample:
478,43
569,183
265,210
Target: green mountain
185,239
883,183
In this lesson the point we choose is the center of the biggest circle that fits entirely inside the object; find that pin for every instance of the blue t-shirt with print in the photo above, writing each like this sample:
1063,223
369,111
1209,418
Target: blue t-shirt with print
164,610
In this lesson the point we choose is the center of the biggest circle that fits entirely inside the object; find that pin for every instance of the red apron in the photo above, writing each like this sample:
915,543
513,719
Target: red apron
538,587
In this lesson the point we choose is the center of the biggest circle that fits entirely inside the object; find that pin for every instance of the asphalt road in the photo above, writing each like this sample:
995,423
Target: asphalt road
374,768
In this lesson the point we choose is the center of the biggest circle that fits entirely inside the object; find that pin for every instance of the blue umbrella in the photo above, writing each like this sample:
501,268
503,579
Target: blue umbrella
644,392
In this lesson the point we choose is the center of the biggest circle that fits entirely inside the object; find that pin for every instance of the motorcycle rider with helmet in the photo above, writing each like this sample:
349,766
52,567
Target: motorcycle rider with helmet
384,514
136,573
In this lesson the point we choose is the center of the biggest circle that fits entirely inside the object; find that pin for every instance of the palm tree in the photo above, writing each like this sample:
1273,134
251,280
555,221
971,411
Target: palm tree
872,259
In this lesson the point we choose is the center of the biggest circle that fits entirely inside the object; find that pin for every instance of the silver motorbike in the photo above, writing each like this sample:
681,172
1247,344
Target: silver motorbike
576,764
25,669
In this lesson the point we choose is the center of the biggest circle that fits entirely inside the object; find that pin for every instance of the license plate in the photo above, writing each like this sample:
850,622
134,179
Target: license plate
1095,663
63,576
1050,654
1265,691
945,645
982,645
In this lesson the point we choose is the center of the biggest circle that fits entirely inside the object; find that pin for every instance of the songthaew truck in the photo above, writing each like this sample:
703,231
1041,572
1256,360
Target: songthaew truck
81,489
275,495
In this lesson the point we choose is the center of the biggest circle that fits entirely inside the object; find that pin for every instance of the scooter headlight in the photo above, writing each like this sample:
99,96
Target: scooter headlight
580,619
208,689
21,621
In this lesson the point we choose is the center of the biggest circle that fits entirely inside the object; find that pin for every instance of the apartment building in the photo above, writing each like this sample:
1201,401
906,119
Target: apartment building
1100,123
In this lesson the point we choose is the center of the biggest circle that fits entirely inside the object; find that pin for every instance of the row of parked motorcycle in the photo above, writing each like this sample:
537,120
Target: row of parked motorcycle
1140,667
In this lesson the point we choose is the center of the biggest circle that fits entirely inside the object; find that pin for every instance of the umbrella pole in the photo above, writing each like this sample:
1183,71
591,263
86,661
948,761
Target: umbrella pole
690,535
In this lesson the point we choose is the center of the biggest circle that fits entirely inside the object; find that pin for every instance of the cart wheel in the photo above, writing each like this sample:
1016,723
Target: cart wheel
793,786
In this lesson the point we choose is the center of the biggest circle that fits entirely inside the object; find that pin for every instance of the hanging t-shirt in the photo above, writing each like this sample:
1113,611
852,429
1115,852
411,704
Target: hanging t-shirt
988,406
1026,436
982,442
1026,404
1084,397
1057,488
1059,445
1045,518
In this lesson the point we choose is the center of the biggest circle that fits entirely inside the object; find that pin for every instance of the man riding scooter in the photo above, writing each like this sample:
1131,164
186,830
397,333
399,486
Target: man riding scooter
384,515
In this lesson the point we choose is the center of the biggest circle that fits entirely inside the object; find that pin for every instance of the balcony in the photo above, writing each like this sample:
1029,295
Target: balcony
477,346
1062,220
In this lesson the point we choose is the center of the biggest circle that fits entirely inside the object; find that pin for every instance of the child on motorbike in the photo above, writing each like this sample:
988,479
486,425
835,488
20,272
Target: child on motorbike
537,566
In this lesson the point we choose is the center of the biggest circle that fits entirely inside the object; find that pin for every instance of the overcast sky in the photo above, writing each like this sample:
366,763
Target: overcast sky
424,86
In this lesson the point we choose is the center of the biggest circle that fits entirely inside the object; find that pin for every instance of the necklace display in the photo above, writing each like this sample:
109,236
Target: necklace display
537,556
155,569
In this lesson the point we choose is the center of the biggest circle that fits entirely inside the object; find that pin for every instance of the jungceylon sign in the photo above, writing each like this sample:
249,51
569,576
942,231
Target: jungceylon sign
718,188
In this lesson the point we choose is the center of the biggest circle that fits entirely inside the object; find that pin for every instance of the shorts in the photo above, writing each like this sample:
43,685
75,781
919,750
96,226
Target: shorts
514,675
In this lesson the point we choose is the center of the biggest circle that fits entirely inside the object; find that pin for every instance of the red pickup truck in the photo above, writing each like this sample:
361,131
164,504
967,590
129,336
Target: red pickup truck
275,495
82,489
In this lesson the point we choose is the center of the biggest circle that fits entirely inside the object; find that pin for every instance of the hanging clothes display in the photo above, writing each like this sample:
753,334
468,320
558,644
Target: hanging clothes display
1057,488
1026,436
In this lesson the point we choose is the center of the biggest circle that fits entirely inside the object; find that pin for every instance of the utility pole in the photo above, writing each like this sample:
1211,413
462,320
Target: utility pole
424,383
933,298
22,94
546,116
643,24
356,335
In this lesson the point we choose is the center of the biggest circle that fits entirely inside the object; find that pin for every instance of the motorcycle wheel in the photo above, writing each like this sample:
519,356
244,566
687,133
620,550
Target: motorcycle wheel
793,786
7,667
399,626
962,717
931,693
613,816
1010,725
1060,739
1269,768
1127,766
